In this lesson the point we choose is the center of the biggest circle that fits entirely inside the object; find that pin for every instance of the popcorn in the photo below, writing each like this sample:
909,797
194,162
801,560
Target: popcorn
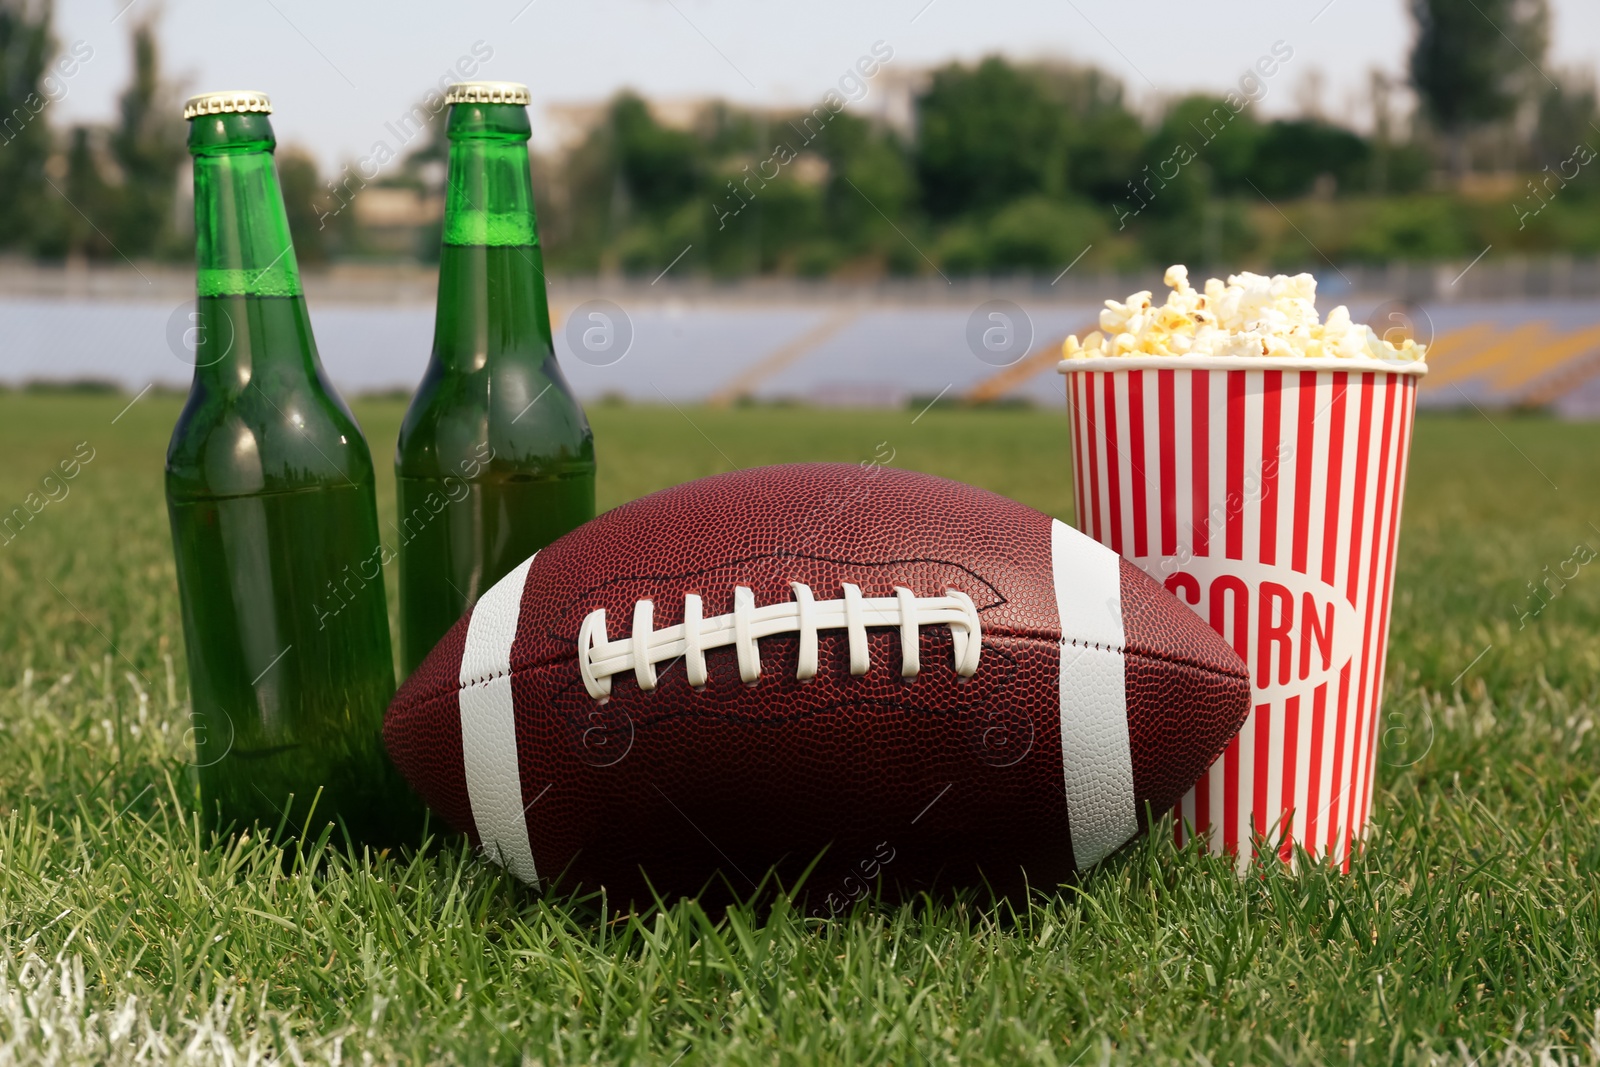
1251,315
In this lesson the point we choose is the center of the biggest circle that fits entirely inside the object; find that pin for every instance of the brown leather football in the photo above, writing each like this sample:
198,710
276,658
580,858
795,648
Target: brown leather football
920,682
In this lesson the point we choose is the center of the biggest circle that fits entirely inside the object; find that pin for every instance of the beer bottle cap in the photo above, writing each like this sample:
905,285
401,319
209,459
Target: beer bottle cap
487,93
226,101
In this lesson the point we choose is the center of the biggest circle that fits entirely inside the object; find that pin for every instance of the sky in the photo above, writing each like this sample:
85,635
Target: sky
338,71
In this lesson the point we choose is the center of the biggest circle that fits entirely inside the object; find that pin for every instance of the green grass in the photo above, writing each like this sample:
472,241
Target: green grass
1466,933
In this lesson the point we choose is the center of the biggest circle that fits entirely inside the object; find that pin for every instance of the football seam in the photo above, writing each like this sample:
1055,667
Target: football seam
1098,647
1165,657
481,679
1122,650
1032,638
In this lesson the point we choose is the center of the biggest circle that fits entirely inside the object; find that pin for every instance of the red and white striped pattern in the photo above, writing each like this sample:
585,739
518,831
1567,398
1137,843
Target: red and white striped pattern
1269,500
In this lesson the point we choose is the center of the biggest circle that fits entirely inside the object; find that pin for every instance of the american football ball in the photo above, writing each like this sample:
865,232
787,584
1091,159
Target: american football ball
922,683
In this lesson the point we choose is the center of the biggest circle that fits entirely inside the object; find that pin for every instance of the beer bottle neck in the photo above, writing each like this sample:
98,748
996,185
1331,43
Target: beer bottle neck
242,244
250,317
492,301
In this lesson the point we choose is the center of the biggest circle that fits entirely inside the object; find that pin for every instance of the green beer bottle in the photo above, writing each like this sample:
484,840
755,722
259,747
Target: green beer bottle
274,524
495,458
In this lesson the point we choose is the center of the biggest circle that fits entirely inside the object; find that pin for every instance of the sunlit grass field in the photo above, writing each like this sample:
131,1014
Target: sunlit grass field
1466,933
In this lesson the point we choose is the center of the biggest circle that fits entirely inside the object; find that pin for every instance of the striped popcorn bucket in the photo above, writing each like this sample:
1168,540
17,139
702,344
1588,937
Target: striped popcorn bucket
1265,494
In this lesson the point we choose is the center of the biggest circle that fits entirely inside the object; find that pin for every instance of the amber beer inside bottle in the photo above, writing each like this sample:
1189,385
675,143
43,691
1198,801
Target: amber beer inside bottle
274,523
495,458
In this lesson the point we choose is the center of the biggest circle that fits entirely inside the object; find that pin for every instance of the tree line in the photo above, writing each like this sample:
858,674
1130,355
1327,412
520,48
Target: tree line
1006,168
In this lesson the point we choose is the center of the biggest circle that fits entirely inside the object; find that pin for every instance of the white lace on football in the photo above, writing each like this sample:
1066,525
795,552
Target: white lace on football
599,657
